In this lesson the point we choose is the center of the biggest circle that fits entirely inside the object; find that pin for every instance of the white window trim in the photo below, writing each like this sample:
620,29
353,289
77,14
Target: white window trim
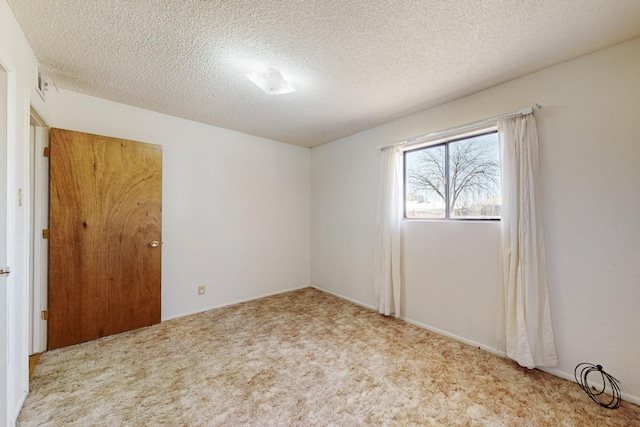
454,135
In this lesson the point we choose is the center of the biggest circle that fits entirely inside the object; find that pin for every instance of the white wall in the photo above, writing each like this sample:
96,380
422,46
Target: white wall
590,165
236,210
16,56
235,206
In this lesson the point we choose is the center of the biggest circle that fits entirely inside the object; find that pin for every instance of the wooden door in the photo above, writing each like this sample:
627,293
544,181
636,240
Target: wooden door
105,231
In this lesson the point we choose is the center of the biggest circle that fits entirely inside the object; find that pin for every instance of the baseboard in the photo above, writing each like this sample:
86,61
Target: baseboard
421,325
456,337
567,376
625,396
229,304
356,302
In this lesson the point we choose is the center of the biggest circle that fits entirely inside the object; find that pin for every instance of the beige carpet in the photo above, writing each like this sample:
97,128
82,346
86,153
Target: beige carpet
304,358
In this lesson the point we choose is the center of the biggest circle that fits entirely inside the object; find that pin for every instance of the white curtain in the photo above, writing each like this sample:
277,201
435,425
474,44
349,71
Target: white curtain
525,331
387,249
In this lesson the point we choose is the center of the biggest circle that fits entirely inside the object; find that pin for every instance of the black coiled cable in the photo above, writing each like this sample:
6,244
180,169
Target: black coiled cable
608,383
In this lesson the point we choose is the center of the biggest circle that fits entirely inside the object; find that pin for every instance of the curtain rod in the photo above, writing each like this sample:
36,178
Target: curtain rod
468,126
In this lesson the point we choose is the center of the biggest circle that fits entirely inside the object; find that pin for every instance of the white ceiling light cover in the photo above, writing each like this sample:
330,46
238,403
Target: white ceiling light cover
271,81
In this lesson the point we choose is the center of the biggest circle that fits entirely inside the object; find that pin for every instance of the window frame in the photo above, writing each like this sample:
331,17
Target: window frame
445,141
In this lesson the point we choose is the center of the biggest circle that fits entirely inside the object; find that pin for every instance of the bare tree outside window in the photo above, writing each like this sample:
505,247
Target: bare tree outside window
470,167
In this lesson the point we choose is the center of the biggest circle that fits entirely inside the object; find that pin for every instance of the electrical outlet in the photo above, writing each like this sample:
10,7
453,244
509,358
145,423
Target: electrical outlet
201,290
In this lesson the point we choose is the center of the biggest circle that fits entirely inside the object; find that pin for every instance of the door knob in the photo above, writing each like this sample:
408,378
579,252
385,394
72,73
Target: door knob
154,244
6,271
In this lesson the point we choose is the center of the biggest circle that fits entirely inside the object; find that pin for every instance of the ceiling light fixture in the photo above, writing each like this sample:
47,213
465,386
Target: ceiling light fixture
271,82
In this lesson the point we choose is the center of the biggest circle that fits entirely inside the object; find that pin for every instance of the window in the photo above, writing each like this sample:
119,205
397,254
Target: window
455,179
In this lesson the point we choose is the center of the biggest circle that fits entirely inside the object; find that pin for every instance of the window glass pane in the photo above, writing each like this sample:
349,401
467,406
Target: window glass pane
425,183
474,177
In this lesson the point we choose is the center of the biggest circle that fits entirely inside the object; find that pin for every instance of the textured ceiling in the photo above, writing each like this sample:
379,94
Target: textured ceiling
355,64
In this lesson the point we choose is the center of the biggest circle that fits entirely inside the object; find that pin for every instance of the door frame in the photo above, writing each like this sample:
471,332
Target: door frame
5,281
39,251
14,295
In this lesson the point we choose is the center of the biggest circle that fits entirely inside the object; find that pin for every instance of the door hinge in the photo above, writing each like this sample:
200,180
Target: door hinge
47,152
45,233
44,314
